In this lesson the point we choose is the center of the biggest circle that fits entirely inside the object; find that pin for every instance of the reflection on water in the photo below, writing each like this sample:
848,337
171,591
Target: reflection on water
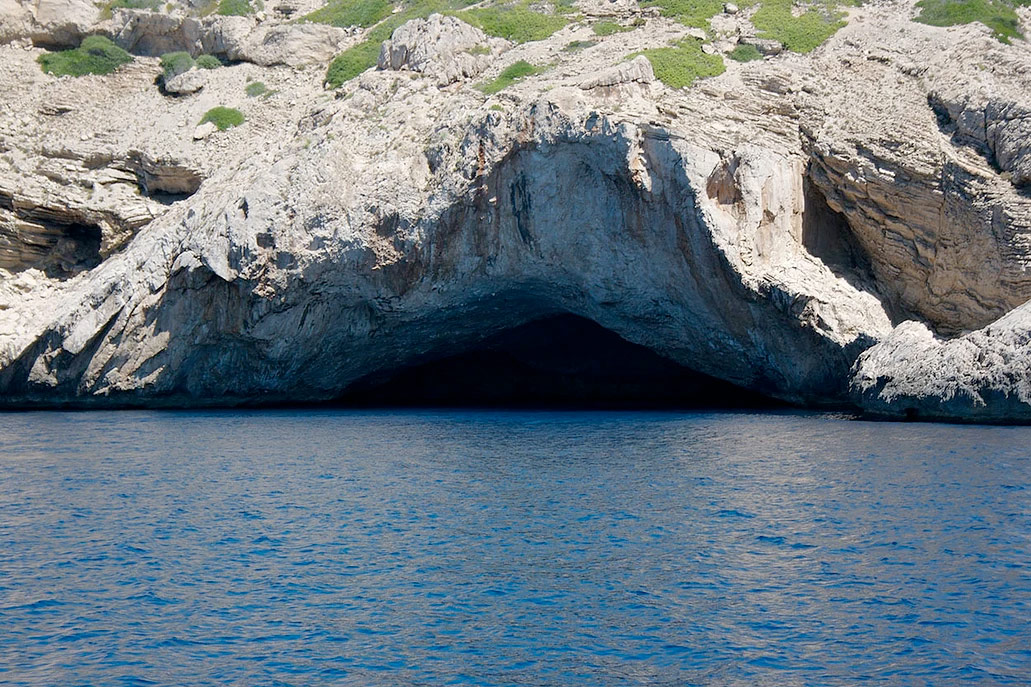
501,548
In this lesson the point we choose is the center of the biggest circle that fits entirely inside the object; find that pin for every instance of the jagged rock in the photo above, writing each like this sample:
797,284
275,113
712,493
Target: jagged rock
188,82
637,70
765,46
65,22
54,23
15,21
438,47
294,45
730,8
163,176
759,227
982,376
1001,127
153,33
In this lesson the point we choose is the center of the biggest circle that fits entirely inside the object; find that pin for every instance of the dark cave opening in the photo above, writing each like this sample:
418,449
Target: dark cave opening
560,361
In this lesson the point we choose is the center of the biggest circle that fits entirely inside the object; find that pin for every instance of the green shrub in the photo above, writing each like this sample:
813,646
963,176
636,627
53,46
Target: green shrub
96,55
479,50
575,46
745,53
234,8
152,5
998,16
175,63
208,62
696,13
684,63
798,34
607,28
256,88
509,76
517,23
344,13
352,62
223,117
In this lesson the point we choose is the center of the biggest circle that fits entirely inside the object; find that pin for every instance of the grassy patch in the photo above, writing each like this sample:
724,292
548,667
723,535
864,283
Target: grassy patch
696,13
798,34
152,5
352,62
745,53
208,62
607,28
223,117
343,13
255,89
681,65
514,22
234,8
517,71
998,16
175,63
575,46
479,50
96,55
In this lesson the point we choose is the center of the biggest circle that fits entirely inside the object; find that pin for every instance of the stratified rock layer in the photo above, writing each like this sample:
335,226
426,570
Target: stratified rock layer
759,227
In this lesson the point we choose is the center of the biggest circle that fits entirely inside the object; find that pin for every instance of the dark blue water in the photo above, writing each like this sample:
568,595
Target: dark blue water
407,548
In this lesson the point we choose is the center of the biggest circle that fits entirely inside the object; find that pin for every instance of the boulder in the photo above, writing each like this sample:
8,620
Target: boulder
637,70
65,22
444,48
294,45
186,83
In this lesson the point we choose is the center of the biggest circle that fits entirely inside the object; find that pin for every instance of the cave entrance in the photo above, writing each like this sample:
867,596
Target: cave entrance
557,361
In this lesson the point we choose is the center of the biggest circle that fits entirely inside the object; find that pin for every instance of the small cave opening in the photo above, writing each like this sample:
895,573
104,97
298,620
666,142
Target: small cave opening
827,236
560,361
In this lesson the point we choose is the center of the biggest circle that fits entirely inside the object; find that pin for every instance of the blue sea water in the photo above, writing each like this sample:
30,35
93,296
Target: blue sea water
310,547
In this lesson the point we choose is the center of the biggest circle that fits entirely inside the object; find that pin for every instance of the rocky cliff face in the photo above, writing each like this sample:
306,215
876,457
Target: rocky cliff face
824,229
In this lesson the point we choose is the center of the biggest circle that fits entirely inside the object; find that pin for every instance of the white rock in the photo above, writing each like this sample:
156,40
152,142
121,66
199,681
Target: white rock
188,82
438,46
204,130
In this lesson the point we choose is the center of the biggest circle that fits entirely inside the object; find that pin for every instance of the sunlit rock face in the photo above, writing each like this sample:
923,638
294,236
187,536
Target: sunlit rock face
756,230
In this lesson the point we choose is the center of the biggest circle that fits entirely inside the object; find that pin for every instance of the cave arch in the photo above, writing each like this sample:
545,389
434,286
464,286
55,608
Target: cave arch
560,360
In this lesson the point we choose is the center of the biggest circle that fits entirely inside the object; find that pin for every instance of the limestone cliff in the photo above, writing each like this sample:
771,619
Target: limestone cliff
825,228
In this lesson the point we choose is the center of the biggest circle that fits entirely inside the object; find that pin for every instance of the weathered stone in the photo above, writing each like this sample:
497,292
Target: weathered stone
765,46
188,82
204,130
444,48
766,226
294,45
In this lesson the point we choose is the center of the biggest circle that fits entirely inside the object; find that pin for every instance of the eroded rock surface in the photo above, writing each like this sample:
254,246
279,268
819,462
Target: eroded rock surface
759,227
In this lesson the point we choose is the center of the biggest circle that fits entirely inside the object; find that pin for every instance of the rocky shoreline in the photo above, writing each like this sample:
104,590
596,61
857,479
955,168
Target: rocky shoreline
849,227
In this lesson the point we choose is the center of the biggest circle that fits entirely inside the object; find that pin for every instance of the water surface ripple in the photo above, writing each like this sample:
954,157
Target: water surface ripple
511,548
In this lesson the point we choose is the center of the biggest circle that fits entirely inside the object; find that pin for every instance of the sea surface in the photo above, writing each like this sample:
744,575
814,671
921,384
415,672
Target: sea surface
395,548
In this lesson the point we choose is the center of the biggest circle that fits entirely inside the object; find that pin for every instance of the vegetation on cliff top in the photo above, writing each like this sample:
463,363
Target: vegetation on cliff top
513,21
803,33
175,63
95,55
696,13
343,13
223,117
682,64
745,53
607,28
235,8
998,15
513,73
